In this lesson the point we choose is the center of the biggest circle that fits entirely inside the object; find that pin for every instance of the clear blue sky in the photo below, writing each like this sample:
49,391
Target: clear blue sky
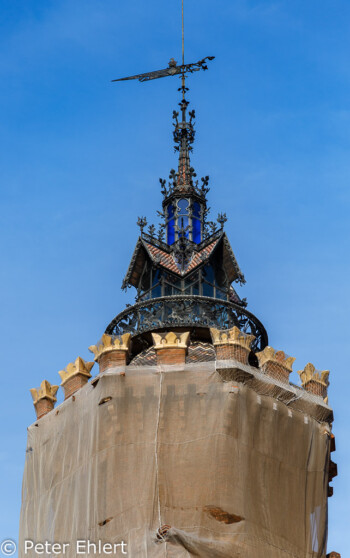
81,157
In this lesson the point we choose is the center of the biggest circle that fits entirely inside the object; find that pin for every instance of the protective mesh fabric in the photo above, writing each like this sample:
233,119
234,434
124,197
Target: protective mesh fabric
234,473
198,351
294,396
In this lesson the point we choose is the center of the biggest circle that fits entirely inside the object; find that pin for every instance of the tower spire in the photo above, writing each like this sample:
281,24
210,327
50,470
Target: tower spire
184,132
184,204
184,272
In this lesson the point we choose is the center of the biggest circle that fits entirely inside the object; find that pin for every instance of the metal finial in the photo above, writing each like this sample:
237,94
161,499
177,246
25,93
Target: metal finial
221,219
151,230
142,223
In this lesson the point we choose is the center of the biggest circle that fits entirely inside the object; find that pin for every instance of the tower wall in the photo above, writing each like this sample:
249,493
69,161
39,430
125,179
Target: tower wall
231,471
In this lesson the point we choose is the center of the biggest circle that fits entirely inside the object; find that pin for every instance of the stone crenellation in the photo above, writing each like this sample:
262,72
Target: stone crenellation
276,364
232,349
231,344
112,351
171,347
315,381
44,398
75,375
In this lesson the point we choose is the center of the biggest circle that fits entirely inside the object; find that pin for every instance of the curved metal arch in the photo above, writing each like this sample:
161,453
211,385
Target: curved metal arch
187,311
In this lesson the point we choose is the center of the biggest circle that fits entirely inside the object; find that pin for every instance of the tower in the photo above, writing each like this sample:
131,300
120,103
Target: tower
184,272
190,440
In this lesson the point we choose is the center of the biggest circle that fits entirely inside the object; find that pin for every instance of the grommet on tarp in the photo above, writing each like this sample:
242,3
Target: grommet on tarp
162,532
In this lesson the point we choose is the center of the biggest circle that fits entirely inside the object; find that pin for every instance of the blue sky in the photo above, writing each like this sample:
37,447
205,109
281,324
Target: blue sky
80,161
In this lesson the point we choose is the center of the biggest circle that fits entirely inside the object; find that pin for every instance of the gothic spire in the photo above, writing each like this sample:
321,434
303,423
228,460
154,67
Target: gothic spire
184,134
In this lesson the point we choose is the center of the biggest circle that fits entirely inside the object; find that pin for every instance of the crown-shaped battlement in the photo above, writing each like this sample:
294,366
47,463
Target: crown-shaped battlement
171,340
111,343
270,355
315,381
44,398
231,344
311,374
233,336
45,391
79,366
276,364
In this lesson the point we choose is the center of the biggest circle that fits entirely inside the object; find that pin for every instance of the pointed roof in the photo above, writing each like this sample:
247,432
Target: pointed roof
185,225
183,137
162,255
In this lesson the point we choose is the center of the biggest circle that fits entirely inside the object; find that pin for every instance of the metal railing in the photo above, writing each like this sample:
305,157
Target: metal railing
187,311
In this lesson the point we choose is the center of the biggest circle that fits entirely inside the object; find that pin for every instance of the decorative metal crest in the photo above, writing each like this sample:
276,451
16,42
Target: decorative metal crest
187,311
172,70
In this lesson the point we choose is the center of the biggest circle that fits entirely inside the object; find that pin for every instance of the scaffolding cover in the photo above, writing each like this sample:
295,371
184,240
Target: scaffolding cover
234,473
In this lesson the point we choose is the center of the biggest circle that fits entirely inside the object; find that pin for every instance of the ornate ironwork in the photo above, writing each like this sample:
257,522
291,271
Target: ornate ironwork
222,219
183,310
142,223
172,70
187,311
183,250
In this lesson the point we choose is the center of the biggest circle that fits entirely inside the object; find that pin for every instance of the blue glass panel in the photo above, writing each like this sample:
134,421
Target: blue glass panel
172,280
170,224
221,294
196,209
171,231
170,211
183,207
156,275
208,273
195,289
191,279
208,290
157,291
196,231
183,222
168,290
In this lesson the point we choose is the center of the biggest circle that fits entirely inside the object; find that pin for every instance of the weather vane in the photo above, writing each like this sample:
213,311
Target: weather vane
173,69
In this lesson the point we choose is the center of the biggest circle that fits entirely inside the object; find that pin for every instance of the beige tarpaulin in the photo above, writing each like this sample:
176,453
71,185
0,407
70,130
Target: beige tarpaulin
234,473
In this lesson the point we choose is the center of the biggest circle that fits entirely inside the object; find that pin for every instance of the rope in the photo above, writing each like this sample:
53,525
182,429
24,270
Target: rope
156,446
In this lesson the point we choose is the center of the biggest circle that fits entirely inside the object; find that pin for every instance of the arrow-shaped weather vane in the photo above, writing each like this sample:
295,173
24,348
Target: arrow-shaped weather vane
173,69
183,130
